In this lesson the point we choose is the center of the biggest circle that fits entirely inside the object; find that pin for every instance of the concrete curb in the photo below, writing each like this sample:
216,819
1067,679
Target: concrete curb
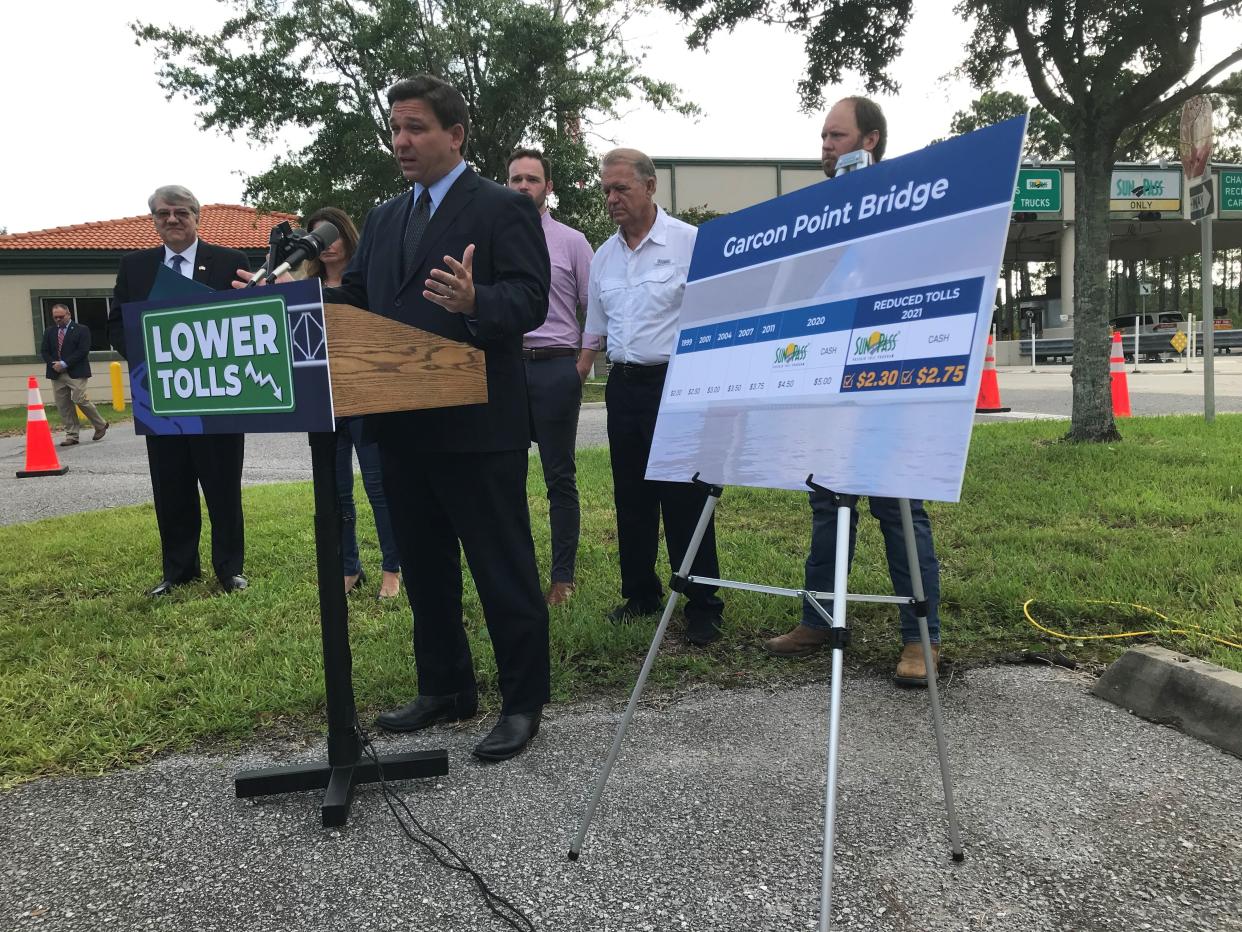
1169,688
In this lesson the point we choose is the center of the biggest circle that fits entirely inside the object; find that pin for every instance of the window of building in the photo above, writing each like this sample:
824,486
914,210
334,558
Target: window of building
90,312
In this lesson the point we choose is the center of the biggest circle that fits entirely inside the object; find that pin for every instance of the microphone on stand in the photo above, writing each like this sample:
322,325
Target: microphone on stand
298,246
852,161
276,248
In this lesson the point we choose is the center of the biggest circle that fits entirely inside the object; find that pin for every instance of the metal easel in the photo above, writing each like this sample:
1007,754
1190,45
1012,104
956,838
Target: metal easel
839,638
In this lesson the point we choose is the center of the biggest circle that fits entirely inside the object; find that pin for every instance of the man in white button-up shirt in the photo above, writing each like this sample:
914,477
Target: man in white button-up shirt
638,277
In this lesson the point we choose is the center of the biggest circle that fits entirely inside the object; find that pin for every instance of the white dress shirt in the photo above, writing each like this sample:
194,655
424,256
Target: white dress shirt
635,294
189,255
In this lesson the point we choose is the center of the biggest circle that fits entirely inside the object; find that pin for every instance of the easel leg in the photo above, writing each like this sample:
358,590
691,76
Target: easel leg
839,602
920,597
705,518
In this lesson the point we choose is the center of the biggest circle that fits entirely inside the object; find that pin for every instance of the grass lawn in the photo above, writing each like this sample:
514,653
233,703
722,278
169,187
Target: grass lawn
97,675
593,390
13,419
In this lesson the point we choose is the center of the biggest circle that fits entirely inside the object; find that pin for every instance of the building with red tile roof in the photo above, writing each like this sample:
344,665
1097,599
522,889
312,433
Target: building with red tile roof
229,225
77,265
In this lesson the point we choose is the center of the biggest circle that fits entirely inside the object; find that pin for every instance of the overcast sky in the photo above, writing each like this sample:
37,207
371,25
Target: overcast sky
89,133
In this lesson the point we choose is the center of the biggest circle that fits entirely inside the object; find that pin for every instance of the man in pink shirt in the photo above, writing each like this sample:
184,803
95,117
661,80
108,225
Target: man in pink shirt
557,363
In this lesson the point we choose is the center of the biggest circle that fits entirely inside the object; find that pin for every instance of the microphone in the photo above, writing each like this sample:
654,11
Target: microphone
304,246
277,246
852,161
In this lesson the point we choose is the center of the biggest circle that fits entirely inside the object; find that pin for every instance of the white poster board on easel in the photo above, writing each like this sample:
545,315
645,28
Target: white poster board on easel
840,330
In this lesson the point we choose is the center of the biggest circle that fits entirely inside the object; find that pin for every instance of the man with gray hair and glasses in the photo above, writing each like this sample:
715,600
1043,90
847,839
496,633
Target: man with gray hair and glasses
637,281
180,463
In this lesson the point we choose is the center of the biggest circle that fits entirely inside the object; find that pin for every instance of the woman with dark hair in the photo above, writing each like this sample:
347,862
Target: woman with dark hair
329,267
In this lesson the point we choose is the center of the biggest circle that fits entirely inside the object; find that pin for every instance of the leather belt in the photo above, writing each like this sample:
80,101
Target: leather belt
639,369
549,352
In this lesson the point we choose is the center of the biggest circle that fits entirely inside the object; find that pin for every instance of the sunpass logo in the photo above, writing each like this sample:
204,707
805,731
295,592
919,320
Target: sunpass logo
791,353
1145,187
876,343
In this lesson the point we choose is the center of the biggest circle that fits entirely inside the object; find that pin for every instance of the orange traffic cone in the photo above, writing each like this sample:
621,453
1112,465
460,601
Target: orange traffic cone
989,401
40,453
1117,371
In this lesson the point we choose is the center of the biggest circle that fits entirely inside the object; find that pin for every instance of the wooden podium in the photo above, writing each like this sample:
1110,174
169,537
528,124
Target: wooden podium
376,365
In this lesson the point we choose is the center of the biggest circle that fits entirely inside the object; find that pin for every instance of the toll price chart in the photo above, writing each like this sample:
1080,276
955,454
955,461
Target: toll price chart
912,339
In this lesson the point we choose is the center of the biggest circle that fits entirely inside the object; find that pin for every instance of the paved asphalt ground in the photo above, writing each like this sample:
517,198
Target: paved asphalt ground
1076,816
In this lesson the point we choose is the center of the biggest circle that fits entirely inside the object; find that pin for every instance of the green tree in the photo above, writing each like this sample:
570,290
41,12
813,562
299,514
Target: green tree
1045,140
532,73
698,215
1108,72
856,36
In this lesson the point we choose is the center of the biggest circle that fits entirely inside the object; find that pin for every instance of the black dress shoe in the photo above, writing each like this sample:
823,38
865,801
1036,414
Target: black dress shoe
426,711
510,736
701,630
233,583
165,586
632,609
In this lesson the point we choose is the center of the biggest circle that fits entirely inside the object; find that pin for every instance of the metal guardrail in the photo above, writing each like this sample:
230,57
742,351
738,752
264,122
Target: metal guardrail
1149,344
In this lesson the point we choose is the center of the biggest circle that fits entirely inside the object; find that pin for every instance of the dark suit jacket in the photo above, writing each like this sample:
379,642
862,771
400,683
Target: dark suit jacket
75,353
214,266
511,280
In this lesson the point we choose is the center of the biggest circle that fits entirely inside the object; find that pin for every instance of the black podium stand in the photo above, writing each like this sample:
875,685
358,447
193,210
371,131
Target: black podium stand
346,766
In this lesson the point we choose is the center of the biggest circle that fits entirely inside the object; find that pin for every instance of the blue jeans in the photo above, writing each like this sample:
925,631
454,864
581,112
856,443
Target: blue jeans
821,561
348,439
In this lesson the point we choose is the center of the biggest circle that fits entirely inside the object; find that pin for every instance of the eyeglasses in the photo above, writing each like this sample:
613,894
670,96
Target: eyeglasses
181,213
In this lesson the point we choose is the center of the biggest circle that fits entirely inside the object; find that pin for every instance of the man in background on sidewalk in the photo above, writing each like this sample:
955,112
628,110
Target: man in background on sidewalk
852,124
66,350
556,367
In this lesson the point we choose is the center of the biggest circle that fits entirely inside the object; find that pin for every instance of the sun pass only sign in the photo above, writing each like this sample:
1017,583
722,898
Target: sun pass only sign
230,358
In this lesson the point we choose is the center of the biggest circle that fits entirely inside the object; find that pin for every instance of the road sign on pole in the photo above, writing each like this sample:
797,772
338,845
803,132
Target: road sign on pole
1038,191
1230,199
1196,152
1201,199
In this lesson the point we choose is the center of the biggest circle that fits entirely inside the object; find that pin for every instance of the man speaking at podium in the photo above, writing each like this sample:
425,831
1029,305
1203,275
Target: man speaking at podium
852,124
464,258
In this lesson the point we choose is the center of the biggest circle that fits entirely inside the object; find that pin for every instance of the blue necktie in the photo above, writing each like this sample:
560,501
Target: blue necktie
174,263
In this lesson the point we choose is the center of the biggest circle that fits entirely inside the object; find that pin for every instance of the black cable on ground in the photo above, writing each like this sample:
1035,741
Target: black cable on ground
439,849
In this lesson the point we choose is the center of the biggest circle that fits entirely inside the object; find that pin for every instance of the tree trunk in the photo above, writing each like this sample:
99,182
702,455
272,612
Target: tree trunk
1092,418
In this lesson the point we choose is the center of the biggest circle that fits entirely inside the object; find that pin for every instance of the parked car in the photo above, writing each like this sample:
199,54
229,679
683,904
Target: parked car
1152,322
1170,321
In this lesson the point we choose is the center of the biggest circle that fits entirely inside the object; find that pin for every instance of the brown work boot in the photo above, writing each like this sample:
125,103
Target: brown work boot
559,593
799,642
911,671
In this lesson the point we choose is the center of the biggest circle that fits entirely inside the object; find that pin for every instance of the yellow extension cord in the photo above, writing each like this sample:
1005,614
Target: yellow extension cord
1192,631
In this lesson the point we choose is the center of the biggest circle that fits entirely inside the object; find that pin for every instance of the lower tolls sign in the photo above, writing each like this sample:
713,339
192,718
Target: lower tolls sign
223,358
